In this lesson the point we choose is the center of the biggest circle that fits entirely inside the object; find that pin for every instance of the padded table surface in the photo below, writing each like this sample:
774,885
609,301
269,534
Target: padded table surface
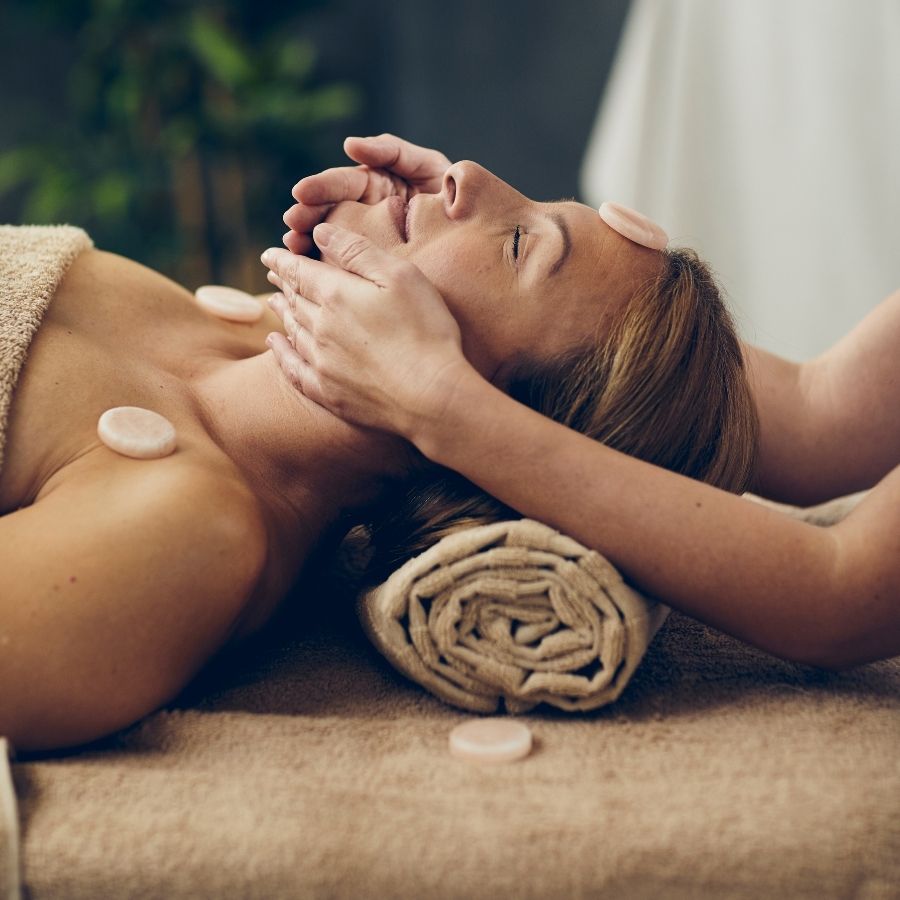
304,766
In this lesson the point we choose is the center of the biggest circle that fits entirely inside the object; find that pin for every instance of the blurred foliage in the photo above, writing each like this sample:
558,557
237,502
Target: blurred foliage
186,124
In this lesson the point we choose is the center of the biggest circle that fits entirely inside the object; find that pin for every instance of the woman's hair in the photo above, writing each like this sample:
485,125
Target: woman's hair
665,384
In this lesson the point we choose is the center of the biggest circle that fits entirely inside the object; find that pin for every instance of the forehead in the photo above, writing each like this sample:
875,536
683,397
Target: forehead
602,261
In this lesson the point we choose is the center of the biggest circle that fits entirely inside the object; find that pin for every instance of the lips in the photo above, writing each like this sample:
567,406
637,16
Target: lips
398,210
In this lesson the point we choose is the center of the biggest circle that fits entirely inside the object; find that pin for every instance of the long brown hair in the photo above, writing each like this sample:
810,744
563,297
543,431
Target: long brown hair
665,383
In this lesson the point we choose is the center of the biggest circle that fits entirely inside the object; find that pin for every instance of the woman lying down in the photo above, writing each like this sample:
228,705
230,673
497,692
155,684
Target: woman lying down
120,577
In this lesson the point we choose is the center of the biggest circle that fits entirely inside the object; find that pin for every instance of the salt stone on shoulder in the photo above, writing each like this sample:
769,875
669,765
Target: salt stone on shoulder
229,303
136,432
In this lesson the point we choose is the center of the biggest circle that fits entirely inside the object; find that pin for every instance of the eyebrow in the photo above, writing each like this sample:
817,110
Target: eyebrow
560,223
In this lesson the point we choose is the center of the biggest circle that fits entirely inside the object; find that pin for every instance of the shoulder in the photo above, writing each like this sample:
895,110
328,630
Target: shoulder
118,585
191,518
202,511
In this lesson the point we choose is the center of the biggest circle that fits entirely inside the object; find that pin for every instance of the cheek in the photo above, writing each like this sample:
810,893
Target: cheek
551,324
477,296
453,263
454,268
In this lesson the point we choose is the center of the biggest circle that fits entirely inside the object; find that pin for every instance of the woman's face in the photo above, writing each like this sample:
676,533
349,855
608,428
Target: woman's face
525,280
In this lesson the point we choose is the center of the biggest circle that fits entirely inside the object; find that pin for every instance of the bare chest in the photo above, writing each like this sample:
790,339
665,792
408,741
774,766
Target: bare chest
116,334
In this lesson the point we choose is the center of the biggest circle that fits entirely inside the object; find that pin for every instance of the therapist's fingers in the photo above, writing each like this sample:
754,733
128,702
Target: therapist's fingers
292,315
356,255
302,309
302,217
278,304
419,166
301,244
332,186
309,277
296,369
300,339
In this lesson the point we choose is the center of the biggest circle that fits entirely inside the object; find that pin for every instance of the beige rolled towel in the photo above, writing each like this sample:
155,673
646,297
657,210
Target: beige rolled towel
512,610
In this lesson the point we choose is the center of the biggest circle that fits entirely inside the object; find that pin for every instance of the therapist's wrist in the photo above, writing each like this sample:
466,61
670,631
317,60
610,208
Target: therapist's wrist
446,417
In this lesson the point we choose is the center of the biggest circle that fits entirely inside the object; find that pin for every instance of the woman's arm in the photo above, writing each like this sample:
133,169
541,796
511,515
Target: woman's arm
830,426
109,602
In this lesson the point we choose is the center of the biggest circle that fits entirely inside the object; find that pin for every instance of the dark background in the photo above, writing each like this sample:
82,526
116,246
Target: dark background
515,87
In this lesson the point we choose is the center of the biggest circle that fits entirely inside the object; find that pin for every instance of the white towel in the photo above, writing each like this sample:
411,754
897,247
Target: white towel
10,884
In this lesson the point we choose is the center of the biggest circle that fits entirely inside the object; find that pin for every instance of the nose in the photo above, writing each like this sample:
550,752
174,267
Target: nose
466,185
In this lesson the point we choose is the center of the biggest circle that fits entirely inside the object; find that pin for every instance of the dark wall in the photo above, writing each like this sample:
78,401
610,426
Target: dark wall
514,86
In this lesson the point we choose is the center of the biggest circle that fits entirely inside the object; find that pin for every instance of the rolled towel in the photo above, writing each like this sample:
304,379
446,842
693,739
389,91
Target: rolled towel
512,610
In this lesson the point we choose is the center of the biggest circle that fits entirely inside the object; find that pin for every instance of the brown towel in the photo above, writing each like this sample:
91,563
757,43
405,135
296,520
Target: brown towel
512,610
33,261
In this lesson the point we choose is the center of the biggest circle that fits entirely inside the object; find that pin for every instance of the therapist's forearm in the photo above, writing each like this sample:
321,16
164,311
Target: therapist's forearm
745,569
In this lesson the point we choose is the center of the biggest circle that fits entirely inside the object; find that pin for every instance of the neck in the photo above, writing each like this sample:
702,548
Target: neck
306,465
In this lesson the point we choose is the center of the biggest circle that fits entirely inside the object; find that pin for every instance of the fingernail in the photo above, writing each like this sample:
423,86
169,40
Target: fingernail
267,255
269,340
323,233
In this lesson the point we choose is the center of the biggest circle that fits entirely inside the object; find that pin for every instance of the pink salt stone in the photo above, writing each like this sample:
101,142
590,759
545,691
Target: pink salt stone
229,303
490,740
136,432
633,225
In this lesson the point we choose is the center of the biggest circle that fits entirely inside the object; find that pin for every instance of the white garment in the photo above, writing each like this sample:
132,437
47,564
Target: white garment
765,134
10,866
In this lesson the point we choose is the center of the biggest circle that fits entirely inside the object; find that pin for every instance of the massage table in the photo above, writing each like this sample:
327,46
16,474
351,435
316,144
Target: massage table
304,765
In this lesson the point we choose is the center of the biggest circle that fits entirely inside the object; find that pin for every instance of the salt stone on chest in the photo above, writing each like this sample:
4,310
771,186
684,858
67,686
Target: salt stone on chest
136,432
229,303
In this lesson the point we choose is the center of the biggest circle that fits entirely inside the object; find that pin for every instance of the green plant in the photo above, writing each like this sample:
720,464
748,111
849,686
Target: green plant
187,123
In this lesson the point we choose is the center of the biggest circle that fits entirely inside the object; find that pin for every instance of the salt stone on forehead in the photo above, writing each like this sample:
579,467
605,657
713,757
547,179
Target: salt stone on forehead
229,303
633,225
136,432
493,740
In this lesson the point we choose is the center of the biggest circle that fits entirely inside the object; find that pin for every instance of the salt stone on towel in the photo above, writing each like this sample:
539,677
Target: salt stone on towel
513,612
490,740
229,303
136,432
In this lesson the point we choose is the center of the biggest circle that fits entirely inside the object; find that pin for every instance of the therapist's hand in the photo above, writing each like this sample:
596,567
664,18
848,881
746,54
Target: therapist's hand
368,337
388,166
